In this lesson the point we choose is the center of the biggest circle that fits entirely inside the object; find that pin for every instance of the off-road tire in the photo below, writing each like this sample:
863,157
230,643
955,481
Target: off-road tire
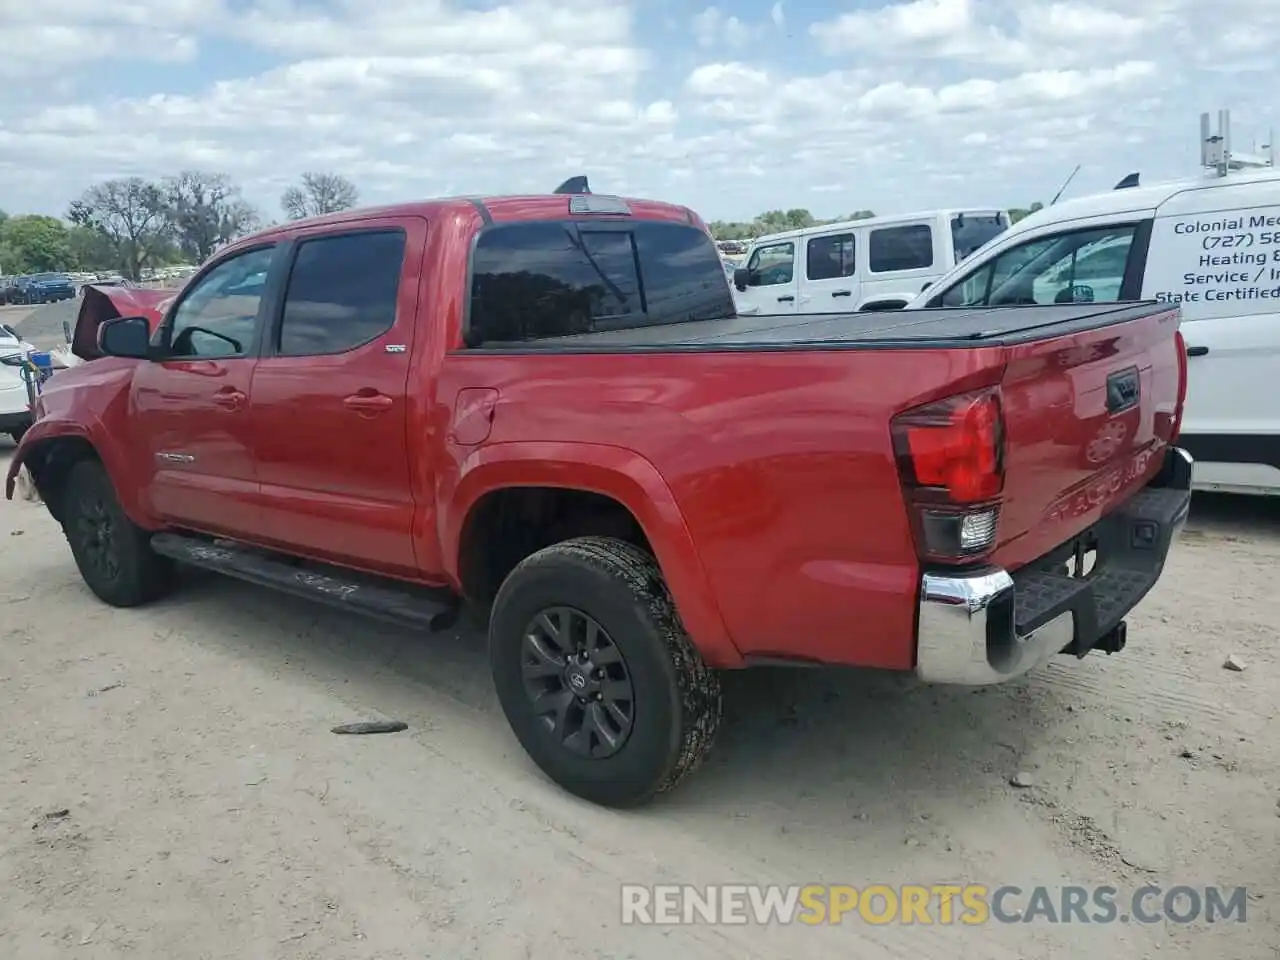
137,573
677,705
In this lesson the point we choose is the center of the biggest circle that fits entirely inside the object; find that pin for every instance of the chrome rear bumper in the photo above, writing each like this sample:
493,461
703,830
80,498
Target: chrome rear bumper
968,630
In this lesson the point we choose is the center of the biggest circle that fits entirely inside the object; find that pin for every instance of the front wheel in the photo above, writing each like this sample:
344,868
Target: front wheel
596,675
113,553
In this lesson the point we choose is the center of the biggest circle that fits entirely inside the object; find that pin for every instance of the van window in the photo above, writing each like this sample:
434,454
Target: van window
342,292
969,231
828,258
1084,266
901,248
771,265
552,279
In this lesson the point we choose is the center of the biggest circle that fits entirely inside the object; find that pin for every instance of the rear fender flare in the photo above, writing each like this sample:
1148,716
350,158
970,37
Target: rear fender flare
614,472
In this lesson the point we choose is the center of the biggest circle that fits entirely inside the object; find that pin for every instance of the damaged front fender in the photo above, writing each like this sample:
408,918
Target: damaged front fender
102,303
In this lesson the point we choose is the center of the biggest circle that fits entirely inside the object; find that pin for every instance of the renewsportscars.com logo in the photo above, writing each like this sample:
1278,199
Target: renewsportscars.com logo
935,904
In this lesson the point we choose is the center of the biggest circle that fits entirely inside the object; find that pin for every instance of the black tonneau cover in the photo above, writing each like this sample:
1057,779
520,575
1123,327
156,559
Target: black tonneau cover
958,327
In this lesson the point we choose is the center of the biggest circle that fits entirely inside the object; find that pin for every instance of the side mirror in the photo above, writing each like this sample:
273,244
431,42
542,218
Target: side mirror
741,278
125,337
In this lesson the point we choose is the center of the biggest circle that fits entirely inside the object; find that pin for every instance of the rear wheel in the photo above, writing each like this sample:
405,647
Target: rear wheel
596,675
113,553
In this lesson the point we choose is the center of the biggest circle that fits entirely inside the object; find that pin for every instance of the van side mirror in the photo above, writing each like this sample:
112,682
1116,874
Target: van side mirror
741,278
125,337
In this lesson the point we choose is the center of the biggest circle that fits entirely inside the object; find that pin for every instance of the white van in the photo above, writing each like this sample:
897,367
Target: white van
1210,244
880,263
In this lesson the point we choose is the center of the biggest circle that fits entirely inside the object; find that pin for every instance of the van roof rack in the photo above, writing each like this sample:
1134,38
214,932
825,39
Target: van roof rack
1217,154
574,185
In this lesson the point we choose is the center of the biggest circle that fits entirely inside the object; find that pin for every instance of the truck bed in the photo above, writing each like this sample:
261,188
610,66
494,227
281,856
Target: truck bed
946,327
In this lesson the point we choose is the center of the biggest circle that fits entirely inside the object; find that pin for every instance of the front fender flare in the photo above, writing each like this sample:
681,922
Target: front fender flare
94,434
615,472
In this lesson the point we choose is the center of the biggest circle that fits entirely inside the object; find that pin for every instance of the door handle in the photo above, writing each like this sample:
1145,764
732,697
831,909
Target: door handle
229,398
1197,351
842,293
787,299
368,402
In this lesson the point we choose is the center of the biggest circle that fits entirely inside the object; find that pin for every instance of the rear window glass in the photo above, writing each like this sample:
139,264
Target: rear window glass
969,231
900,248
555,278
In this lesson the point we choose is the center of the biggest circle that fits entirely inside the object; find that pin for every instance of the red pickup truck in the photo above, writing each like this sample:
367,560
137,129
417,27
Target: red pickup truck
546,408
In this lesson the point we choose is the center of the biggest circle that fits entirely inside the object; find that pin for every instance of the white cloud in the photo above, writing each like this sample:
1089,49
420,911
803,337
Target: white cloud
892,107
713,27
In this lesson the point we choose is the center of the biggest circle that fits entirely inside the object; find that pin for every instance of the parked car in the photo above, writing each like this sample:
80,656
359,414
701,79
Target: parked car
44,288
1210,245
15,410
548,407
8,289
880,263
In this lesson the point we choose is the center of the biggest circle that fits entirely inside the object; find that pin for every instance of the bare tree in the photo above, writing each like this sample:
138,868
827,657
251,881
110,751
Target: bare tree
133,213
206,211
320,193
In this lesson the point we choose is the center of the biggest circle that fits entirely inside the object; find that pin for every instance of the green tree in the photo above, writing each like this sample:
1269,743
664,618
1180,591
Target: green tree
92,250
320,193
135,215
1018,213
207,211
36,243
776,221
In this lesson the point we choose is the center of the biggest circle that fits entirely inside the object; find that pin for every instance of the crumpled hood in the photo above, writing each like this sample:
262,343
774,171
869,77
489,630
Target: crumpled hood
102,303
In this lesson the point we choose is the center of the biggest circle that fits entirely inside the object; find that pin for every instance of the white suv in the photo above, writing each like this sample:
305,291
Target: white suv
880,263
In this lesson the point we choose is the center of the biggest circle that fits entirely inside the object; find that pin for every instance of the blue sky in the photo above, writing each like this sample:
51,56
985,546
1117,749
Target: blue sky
732,108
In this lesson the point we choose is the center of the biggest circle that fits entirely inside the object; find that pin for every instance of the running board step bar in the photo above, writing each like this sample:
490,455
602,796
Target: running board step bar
405,605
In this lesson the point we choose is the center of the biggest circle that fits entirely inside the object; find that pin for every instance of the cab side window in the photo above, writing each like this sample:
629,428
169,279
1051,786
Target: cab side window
1084,266
219,316
772,265
908,247
342,292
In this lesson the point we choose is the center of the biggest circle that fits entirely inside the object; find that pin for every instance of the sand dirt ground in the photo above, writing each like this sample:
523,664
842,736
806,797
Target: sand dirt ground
210,813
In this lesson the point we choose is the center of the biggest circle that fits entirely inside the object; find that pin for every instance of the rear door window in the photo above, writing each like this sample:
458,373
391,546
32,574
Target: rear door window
542,279
829,258
342,292
893,249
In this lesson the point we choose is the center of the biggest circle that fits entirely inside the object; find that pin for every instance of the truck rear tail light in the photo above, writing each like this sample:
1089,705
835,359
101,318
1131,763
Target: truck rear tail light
950,457
1181,346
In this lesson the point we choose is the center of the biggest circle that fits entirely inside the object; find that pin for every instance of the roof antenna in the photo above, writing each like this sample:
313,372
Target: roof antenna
1216,151
574,185
1064,185
1130,181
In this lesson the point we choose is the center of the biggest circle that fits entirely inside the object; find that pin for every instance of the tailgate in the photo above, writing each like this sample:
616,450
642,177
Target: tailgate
1086,419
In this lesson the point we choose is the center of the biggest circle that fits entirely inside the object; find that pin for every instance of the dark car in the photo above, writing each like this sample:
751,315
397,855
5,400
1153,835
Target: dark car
45,288
9,289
